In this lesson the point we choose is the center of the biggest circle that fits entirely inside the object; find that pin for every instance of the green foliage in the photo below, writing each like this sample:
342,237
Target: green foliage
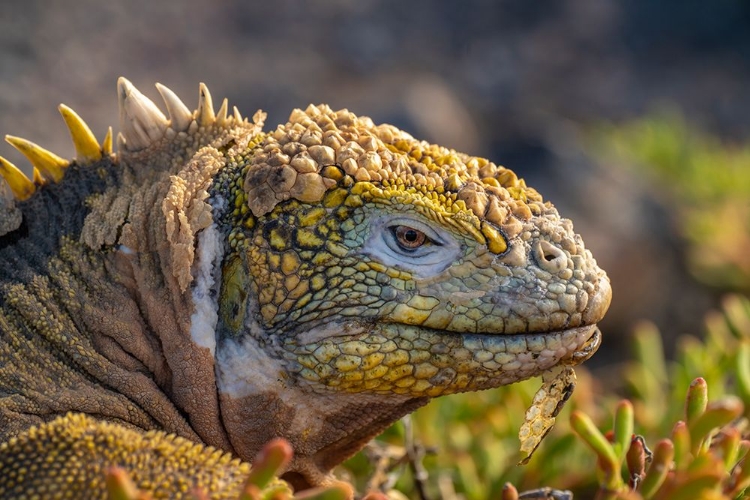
475,439
703,459
706,180
688,412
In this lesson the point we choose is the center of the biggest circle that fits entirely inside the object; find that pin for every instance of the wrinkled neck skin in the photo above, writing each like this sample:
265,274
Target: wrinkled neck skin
260,401
96,306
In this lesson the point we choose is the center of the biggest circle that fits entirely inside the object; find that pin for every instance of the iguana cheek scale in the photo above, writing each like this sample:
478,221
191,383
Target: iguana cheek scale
317,282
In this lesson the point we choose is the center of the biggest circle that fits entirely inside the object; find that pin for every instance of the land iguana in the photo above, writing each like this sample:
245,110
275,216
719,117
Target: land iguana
211,286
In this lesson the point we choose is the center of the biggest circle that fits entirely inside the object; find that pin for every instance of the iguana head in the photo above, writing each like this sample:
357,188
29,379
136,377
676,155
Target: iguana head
373,271
336,273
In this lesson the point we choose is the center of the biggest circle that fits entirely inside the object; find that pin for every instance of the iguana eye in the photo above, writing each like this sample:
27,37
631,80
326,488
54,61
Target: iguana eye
409,238
408,242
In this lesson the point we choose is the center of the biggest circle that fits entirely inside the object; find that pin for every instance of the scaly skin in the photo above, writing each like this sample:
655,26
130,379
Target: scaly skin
316,282
78,441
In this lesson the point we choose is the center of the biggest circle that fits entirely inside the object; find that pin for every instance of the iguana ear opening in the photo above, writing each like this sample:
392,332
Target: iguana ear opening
235,284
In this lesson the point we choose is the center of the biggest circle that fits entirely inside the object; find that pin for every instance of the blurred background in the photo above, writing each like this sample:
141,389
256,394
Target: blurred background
633,117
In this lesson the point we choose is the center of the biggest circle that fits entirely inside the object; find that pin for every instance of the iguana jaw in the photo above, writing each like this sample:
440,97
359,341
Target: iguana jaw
418,362
382,356
328,420
266,390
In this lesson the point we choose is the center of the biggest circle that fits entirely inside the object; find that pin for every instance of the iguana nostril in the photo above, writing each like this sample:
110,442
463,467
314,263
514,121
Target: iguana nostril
549,257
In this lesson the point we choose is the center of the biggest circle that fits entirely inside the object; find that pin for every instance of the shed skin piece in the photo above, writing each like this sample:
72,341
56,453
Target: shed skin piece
316,282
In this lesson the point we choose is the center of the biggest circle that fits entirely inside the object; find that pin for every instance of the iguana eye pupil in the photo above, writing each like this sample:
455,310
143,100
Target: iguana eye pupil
409,238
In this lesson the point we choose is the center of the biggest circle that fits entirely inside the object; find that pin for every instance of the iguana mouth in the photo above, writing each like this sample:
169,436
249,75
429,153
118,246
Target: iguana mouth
417,361
587,349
